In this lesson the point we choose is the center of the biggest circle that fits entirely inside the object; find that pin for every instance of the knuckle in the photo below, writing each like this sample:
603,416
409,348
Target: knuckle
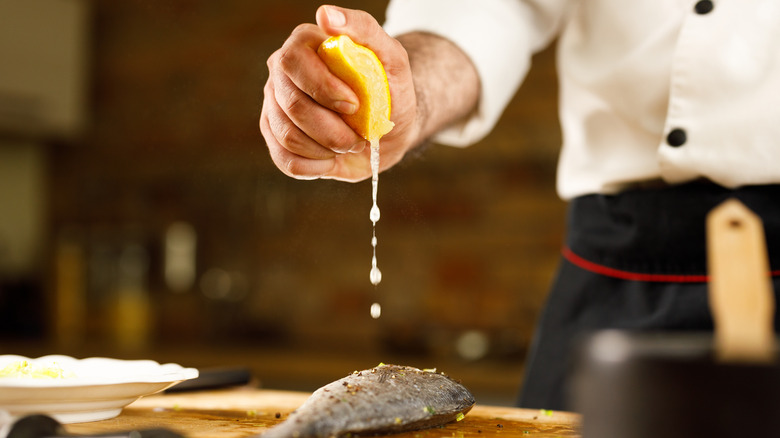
264,123
297,104
300,30
318,93
268,89
286,59
267,132
273,59
290,137
295,45
284,132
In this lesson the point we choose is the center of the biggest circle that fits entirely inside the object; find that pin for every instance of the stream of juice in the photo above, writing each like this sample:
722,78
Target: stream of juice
375,274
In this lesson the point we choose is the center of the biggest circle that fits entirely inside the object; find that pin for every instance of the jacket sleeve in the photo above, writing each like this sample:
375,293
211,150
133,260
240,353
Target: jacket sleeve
500,37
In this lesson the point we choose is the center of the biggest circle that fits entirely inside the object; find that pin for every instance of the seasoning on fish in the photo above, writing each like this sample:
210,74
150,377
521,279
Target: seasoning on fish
384,399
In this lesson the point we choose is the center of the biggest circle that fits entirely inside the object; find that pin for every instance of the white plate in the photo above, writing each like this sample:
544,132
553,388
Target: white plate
99,390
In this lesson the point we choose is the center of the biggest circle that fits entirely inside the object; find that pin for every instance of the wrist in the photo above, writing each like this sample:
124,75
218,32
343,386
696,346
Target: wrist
446,83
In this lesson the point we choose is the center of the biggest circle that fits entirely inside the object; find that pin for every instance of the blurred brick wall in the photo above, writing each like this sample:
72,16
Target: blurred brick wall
468,239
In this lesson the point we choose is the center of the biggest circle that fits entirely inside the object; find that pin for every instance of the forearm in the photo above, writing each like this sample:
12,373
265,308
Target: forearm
446,83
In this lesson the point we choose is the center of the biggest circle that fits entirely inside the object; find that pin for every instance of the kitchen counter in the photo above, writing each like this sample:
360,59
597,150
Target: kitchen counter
246,411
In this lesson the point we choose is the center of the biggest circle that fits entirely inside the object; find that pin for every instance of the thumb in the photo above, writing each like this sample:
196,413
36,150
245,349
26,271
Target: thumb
360,26
331,19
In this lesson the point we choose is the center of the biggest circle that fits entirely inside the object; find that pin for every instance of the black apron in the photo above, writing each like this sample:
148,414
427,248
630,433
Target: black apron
634,261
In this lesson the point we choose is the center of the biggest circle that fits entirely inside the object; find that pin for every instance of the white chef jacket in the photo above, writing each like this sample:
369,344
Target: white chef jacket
649,89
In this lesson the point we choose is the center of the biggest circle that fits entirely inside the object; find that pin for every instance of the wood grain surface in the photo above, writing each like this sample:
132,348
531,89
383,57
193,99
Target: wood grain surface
244,412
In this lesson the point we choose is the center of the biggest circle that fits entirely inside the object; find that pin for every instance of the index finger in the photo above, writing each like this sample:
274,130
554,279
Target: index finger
299,61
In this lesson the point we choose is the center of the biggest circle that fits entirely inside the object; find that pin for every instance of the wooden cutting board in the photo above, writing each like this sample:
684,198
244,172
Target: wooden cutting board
246,412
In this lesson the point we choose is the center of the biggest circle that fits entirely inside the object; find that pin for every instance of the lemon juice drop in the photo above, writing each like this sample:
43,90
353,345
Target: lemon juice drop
376,310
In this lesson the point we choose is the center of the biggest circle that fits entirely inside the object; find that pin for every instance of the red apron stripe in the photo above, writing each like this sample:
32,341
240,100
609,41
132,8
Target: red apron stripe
636,276
627,275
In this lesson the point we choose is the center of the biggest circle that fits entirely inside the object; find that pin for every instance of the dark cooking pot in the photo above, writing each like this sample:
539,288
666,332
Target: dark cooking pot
669,386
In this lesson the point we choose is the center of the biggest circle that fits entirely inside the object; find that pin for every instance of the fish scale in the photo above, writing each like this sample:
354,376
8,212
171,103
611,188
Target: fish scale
384,399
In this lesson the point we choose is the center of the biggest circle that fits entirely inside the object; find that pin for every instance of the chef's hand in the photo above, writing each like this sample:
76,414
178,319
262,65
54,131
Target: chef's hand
302,102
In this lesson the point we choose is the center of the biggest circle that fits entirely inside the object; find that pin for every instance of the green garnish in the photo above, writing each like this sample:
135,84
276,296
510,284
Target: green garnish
429,410
546,412
460,416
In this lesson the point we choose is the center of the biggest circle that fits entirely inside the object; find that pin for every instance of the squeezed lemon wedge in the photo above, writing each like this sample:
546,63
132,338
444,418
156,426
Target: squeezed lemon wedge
360,68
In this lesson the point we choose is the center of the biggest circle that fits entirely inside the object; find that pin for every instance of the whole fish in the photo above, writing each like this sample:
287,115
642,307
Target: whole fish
384,399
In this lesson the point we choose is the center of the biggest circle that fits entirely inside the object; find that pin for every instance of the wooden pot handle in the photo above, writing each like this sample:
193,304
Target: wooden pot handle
740,288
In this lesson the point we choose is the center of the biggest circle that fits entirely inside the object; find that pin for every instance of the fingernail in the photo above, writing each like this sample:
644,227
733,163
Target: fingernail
336,18
358,147
345,107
